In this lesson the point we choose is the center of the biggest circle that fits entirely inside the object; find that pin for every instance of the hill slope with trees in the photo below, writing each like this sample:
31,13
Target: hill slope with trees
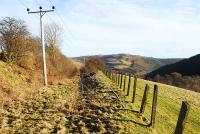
185,73
132,63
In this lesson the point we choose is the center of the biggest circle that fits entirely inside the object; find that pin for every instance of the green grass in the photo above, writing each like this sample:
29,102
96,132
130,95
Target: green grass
168,107
12,75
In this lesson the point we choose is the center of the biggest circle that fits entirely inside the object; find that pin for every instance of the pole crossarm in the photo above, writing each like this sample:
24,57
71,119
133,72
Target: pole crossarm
43,12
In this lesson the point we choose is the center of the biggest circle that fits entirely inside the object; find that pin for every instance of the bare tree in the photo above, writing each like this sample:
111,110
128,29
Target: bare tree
14,39
53,35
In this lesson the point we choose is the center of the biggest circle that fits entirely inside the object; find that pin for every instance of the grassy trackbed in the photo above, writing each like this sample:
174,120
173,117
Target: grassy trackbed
169,103
66,108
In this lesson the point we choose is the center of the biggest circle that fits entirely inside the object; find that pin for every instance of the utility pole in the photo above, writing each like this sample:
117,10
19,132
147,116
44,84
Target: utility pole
42,13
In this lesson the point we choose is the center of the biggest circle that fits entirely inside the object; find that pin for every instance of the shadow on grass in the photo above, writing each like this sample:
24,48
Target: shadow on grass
126,109
126,120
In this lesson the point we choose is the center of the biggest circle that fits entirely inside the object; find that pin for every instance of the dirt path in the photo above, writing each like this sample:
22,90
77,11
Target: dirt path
96,106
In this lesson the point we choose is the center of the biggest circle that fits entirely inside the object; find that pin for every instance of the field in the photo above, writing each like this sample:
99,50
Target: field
169,103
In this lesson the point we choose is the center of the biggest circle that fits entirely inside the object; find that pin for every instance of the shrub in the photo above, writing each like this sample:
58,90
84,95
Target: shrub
14,39
93,64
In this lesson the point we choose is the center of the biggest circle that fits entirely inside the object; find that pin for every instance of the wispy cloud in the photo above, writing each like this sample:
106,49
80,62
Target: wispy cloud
147,27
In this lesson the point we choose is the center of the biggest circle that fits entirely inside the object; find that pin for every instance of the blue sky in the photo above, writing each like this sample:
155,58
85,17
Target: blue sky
155,28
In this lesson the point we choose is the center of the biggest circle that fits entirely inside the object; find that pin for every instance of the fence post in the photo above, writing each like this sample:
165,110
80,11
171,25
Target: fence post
124,86
113,76
118,76
110,75
144,99
121,80
182,117
129,85
134,88
154,105
116,79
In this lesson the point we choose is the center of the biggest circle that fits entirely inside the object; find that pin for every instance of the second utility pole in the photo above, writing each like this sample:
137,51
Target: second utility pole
41,13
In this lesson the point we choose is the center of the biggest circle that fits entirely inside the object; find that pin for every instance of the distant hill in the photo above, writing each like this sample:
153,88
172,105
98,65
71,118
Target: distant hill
132,63
186,67
184,74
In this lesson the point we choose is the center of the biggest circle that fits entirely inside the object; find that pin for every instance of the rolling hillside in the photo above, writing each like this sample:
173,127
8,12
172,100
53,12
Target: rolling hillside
186,67
132,63
185,74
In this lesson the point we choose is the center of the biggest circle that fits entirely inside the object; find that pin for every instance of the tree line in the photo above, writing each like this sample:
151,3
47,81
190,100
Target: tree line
177,79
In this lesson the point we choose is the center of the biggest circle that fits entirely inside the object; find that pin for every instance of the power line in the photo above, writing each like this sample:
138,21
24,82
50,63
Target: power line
50,2
62,20
66,28
37,2
24,5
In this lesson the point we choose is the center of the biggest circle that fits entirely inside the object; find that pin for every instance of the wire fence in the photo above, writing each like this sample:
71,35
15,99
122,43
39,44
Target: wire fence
120,79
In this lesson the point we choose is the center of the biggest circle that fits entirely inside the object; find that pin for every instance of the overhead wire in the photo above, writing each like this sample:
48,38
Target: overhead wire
37,3
62,20
24,5
64,25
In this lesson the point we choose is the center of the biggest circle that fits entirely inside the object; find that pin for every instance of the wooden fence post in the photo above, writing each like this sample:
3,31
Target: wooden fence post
124,86
182,118
129,85
154,105
118,79
114,77
134,88
144,99
121,80
111,75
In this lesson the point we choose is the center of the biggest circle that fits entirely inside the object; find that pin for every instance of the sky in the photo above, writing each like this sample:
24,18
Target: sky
153,28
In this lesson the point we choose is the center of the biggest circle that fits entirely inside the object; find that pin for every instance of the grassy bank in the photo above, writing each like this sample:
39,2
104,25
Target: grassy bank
169,103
